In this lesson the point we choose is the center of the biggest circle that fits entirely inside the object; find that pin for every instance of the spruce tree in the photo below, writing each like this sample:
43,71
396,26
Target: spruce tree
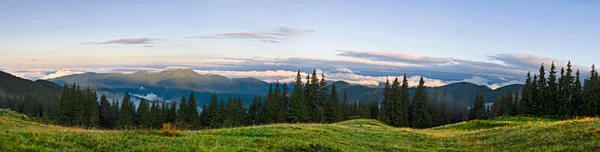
535,93
213,119
590,94
478,110
298,107
551,92
115,114
385,107
542,107
285,102
312,85
331,106
105,112
253,111
182,113
192,111
404,104
420,113
156,117
395,113
577,97
143,113
126,113
525,105
228,113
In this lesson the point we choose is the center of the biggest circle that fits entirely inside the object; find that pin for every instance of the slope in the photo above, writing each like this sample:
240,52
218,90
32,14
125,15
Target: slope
15,87
17,133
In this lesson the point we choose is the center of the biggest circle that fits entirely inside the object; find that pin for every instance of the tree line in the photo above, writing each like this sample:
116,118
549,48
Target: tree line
314,101
561,95
310,102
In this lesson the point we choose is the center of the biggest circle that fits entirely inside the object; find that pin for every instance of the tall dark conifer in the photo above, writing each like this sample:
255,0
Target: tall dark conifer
552,92
192,111
420,113
542,88
298,111
126,113
143,113
105,112
525,106
385,107
577,97
331,106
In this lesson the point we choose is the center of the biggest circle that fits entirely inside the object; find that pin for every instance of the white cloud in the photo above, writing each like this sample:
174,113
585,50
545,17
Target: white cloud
268,37
149,96
60,74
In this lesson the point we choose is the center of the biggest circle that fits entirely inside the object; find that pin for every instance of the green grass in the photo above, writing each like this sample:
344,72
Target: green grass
19,133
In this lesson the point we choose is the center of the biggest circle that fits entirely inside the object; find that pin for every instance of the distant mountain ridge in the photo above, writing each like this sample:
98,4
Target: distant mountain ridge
16,87
186,79
173,84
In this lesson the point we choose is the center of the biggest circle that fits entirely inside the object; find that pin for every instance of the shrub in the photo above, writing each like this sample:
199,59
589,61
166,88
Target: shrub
169,129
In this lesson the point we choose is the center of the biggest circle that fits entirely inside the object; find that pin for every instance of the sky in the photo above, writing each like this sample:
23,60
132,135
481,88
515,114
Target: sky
493,43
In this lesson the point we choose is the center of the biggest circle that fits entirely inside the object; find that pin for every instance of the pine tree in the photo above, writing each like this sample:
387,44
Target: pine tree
312,85
115,114
373,109
253,111
285,102
182,112
228,116
525,105
126,114
92,109
105,112
457,111
478,110
212,113
192,111
568,89
275,111
577,97
421,115
444,112
298,106
551,92
590,94
535,93
143,113
385,107
404,104
515,103
395,114
331,106
156,117
542,107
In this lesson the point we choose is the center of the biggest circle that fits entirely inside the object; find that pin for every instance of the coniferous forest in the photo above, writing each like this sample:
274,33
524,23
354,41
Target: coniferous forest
545,93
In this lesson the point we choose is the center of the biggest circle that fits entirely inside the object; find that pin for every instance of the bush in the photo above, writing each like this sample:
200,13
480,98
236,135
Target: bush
169,129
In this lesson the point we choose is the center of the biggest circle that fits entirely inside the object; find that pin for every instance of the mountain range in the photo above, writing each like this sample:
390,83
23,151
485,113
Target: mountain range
15,87
171,85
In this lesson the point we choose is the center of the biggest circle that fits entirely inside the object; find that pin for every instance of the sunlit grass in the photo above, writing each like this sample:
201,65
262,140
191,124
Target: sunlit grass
18,133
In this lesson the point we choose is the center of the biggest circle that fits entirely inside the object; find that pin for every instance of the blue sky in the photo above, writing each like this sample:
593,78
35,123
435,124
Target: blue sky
492,41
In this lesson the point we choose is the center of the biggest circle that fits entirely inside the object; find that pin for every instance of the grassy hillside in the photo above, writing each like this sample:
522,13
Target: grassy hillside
17,133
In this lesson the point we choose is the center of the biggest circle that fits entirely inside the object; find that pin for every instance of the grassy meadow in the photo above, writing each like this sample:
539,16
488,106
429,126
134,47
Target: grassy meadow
19,133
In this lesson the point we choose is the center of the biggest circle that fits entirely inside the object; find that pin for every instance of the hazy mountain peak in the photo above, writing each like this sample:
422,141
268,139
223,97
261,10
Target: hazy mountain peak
141,72
179,73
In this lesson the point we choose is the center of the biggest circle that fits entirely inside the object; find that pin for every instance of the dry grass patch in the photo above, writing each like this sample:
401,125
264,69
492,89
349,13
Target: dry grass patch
169,129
